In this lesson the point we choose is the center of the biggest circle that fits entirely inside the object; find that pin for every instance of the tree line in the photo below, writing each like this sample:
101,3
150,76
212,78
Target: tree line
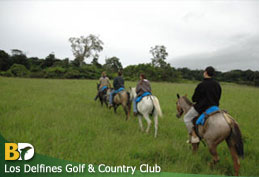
17,64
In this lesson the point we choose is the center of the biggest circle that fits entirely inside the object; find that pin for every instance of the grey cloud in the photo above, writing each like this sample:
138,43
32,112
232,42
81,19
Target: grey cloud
241,55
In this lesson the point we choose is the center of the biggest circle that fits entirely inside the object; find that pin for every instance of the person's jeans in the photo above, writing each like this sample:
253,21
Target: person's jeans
191,114
111,96
135,105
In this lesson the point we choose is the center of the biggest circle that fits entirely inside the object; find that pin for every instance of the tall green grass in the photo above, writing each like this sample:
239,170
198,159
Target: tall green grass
62,120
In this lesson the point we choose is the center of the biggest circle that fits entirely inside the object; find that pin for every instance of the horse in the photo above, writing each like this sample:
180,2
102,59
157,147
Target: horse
149,105
121,98
219,126
102,95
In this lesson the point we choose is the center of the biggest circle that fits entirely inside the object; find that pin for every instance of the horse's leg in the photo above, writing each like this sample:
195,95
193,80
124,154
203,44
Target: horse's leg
115,108
156,124
195,147
213,152
140,122
148,122
126,111
101,99
128,107
105,101
234,158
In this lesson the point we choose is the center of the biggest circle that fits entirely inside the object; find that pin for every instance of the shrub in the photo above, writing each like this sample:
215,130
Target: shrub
55,72
72,74
6,73
38,74
18,70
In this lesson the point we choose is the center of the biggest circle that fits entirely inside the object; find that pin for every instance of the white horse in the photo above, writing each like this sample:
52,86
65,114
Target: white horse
149,105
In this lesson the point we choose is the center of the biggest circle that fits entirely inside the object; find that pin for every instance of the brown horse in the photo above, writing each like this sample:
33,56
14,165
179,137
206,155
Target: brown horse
218,127
121,98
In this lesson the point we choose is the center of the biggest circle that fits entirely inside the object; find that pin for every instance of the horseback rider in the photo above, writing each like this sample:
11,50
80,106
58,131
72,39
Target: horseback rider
143,87
206,94
104,83
118,85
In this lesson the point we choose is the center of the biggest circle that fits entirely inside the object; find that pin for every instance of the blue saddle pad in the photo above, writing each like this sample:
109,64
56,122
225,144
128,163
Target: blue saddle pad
103,88
143,95
119,90
201,119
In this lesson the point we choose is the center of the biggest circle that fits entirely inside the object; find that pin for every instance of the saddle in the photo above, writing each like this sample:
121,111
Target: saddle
142,96
118,91
103,89
204,125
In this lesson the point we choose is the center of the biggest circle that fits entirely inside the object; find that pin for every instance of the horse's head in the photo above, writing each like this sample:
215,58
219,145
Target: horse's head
132,92
182,105
178,107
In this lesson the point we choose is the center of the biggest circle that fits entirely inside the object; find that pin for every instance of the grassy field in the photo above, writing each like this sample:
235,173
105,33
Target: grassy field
61,119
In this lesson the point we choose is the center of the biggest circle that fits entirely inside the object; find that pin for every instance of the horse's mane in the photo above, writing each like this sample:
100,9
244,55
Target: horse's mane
187,100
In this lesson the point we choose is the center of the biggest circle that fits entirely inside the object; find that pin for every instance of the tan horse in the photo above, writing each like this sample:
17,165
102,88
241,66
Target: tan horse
218,127
121,98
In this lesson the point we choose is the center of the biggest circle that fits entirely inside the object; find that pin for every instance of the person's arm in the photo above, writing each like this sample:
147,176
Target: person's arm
109,83
197,92
149,86
123,83
138,87
115,82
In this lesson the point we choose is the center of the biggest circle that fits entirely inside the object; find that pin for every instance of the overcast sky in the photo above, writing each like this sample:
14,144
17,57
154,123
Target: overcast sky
221,33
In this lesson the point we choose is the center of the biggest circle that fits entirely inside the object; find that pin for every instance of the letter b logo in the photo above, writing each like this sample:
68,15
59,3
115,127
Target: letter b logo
11,152
20,151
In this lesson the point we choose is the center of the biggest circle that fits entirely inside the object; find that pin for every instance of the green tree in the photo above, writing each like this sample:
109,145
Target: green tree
86,47
49,61
5,61
18,57
159,54
113,64
96,63
256,78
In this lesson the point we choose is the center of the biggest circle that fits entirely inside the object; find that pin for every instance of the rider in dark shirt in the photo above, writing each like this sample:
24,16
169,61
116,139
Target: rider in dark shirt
206,94
118,83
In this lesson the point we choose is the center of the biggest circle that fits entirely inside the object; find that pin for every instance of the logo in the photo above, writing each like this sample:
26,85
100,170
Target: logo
18,151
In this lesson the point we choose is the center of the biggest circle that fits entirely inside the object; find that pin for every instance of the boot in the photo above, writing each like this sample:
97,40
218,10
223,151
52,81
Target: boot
194,138
189,140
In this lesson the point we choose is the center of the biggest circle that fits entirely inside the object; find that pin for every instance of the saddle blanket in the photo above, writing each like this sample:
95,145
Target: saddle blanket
201,119
103,88
141,96
119,90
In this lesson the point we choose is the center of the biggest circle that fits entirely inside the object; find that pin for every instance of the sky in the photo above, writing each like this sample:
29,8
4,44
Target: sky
221,33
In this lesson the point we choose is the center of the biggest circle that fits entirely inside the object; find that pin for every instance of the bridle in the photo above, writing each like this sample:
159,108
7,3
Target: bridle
179,109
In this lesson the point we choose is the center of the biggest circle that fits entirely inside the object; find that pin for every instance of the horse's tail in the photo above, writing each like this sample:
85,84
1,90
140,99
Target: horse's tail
157,106
235,137
129,101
